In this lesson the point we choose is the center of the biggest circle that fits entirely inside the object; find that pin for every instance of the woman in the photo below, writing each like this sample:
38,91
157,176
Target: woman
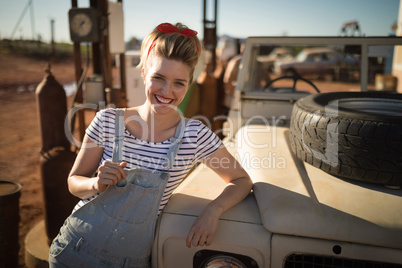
140,155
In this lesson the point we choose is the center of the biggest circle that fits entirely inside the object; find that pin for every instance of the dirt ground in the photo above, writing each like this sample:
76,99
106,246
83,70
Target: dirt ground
20,141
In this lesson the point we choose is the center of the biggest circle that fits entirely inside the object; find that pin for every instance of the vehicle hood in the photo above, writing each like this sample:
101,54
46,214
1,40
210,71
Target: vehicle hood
295,198
202,186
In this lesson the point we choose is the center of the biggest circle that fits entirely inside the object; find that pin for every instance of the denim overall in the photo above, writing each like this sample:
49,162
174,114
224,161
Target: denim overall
116,229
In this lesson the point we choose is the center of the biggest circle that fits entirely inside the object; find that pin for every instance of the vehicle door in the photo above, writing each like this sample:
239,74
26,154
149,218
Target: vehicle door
329,62
312,64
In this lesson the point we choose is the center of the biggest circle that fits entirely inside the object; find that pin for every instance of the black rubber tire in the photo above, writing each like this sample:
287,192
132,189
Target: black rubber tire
354,135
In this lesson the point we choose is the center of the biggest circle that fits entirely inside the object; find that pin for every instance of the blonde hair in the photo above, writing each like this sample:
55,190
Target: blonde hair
172,46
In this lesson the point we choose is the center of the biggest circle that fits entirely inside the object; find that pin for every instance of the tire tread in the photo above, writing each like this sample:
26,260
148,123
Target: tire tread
367,151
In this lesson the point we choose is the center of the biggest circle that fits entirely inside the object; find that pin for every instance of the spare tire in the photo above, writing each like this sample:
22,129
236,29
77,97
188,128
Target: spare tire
354,135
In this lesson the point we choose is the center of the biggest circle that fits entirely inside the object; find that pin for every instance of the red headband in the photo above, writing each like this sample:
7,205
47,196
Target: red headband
169,28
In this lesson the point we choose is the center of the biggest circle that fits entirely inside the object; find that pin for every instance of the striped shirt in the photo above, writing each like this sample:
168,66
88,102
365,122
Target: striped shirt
198,142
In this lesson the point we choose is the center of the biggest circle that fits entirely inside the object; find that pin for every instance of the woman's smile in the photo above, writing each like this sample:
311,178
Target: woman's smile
163,100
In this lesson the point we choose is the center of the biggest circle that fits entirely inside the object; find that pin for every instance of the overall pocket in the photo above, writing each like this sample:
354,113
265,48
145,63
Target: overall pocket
138,199
131,204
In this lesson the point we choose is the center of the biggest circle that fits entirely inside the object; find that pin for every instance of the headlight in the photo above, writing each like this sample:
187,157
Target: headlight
219,259
223,262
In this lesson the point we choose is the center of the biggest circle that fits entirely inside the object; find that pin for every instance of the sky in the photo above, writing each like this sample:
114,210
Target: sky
236,18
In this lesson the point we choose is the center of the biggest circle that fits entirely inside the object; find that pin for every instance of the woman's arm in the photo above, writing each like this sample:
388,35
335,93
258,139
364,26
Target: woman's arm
238,187
81,182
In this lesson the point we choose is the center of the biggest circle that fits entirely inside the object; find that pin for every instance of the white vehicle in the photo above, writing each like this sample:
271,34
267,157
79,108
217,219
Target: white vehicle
327,173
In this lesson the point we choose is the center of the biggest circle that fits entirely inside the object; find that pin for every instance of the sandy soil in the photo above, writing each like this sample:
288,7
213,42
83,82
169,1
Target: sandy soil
20,140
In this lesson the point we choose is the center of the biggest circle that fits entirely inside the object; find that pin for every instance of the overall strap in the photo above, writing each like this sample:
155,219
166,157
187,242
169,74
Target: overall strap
175,145
118,136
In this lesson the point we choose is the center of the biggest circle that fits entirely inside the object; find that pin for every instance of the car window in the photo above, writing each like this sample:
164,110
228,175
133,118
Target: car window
301,56
344,73
315,57
327,56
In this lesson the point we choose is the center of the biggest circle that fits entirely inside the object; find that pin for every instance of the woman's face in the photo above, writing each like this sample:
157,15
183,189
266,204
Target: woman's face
166,83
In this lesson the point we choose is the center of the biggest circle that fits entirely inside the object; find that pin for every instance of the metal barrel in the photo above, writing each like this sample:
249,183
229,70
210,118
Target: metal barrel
9,223
57,158
55,166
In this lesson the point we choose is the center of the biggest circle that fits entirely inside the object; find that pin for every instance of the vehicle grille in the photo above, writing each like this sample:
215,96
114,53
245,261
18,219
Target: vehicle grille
316,261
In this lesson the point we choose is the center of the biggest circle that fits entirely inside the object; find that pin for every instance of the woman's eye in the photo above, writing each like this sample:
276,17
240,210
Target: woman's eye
157,78
180,84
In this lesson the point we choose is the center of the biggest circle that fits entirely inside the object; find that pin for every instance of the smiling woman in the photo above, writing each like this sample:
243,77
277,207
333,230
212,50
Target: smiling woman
139,156
167,82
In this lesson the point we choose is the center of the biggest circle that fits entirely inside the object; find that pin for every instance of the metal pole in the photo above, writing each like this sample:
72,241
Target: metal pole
96,61
105,52
52,38
216,14
205,15
19,20
32,20
79,98
210,33
122,58
364,67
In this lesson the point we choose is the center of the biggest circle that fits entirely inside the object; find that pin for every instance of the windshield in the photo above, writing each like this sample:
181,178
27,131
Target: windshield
301,56
330,67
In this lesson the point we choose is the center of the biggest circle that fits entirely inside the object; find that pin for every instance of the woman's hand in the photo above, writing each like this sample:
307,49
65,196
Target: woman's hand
81,181
109,173
203,230
237,188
